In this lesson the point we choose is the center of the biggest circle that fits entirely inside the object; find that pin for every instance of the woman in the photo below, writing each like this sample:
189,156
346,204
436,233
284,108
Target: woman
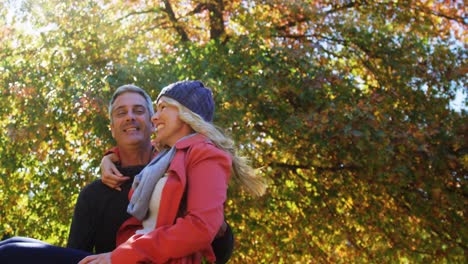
177,201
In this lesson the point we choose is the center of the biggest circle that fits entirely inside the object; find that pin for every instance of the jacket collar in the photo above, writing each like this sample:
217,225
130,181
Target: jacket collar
185,143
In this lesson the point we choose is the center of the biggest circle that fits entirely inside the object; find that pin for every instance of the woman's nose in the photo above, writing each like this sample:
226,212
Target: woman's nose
155,116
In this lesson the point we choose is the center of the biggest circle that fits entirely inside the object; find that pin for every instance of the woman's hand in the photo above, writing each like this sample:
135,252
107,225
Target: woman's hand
104,258
111,176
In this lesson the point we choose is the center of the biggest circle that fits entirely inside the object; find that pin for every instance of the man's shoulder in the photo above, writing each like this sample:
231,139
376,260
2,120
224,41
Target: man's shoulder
95,187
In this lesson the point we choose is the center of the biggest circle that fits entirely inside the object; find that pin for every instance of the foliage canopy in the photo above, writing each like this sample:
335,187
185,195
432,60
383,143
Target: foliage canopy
344,105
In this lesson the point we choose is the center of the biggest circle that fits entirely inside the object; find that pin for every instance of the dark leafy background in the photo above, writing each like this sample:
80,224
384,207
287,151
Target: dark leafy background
343,105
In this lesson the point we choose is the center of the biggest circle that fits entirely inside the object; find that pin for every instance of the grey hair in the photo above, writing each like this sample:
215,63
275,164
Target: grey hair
129,88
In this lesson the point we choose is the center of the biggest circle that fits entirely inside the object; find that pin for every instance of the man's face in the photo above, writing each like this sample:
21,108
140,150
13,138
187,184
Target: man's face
131,120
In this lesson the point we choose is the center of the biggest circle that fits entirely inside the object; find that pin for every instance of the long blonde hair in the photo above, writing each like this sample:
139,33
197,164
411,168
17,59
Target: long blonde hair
242,171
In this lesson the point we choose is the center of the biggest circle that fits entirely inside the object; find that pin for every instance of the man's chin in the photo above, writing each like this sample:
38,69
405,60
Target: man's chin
133,140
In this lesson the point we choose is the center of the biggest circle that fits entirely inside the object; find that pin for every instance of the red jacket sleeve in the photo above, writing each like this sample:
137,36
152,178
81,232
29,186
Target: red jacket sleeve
114,150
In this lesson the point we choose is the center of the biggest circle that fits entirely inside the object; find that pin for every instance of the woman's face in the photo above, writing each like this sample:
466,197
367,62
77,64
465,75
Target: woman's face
169,127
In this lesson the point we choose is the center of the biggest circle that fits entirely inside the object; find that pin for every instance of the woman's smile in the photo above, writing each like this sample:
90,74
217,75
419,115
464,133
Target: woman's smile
169,127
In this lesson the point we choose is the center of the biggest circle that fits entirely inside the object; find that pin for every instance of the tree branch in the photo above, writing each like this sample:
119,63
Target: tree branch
180,30
458,19
151,10
217,30
215,13
339,167
337,8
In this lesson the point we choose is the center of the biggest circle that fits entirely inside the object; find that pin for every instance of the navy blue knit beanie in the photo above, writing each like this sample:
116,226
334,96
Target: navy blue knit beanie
193,95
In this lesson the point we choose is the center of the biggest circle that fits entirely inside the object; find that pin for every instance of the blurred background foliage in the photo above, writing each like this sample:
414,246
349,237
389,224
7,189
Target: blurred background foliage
346,106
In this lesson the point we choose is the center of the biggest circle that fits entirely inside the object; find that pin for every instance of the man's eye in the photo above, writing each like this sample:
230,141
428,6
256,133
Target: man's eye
120,113
140,111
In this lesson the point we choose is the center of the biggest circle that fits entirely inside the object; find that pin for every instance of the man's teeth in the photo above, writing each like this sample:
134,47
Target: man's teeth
160,126
132,129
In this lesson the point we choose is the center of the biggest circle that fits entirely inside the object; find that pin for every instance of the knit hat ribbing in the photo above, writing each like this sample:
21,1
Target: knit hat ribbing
193,95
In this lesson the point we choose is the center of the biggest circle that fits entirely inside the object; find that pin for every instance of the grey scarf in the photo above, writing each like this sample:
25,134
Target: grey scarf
146,180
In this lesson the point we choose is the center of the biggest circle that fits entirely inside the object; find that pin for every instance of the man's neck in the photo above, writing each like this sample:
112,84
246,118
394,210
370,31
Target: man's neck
135,155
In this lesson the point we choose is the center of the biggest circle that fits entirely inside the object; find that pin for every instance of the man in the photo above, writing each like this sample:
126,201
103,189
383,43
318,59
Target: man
100,210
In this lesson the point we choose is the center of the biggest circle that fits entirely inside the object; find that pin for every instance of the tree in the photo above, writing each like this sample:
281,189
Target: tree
343,105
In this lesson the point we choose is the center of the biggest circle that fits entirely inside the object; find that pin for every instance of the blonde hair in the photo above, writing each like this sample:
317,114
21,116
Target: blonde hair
242,171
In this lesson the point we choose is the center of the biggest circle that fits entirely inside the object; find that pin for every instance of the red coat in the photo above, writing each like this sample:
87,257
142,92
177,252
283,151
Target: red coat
185,239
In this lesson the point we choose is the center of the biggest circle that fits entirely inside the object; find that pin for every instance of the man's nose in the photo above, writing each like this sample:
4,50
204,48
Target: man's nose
130,115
